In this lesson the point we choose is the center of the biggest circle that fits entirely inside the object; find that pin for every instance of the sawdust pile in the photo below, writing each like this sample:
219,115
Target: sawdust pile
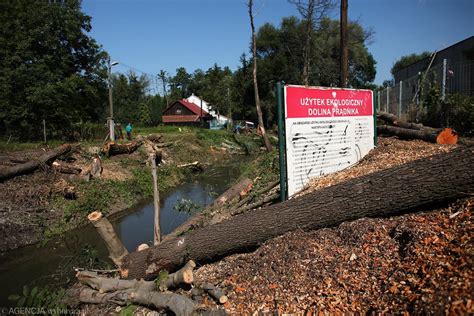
413,263
419,263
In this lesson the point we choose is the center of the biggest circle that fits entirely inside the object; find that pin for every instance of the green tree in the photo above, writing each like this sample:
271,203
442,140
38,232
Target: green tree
408,60
129,92
51,68
179,85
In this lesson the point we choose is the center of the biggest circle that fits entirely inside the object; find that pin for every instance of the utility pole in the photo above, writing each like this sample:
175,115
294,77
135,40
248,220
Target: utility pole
344,48
111,104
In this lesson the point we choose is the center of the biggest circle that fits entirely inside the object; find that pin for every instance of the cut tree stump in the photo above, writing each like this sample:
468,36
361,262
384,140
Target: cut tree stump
113,148
32,165
437,179
96,167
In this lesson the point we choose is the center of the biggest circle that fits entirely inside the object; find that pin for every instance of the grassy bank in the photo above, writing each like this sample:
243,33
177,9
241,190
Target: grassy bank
129,177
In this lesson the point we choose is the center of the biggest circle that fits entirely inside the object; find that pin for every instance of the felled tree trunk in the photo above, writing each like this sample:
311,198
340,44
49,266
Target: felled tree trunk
445,137
32,165
234,191
406,130
114,245
403,188
394,120
113,290
62,168
180,305
113,148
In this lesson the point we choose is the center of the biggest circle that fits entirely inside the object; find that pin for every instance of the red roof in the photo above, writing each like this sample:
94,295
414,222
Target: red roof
191,106
180,118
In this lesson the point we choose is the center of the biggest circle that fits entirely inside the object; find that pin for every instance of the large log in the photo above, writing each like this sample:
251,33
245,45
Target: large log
407,130
403,188
32,165
113,148
445,137
394,120
62,168
105,229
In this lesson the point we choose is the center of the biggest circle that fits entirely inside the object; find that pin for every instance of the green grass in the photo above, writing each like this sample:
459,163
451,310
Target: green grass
265,166
108,195
104,195
164,129
16,146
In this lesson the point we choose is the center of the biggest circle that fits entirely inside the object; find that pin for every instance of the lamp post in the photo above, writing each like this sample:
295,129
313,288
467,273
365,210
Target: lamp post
111,104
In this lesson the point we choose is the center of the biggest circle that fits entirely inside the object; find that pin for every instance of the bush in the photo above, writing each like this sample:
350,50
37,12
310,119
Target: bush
456,111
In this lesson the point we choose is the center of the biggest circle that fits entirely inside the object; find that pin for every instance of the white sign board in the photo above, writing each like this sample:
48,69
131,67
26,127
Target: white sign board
327,130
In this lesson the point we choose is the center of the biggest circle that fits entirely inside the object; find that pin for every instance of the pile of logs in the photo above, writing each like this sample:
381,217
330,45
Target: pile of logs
100,289
33,164
404,130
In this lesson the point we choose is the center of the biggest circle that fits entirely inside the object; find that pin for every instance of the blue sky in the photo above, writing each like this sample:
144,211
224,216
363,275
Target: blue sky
167,34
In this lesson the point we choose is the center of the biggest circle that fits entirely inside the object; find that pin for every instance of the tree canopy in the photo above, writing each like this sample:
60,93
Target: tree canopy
408,60
51,68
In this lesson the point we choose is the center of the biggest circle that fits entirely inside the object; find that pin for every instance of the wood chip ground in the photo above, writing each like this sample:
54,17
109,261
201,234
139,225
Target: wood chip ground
420,263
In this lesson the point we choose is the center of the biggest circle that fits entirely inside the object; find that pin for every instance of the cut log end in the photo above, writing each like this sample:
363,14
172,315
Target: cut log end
142,247
123,273
94,216
188,277
223,299
447,137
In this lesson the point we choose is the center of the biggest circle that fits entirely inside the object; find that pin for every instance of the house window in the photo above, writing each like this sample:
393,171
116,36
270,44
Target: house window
178,111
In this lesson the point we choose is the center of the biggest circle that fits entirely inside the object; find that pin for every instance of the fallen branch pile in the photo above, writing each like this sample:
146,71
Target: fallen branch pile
32,165
434,180
404,130
99,289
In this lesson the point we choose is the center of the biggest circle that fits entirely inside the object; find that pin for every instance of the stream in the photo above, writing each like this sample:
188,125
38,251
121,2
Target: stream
52,264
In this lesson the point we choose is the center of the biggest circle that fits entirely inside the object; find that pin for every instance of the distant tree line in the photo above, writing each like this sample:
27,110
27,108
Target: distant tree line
52,70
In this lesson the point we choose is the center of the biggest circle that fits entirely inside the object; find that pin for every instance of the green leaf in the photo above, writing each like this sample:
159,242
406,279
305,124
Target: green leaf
14,297
34,291
128,311
25,290
21,302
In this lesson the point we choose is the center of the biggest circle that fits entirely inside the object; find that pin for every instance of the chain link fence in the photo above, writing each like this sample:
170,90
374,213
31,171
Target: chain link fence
405,98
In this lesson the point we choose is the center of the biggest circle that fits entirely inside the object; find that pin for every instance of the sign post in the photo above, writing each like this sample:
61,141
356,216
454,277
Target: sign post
326,130
281,143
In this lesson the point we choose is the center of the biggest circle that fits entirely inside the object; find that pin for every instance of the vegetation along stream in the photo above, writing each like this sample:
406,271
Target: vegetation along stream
52,264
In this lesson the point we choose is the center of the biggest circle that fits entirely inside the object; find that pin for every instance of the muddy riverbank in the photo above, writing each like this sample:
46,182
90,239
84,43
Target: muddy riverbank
52,264
34,208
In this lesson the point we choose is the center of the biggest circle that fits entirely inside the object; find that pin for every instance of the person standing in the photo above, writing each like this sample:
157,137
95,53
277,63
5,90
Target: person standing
128,128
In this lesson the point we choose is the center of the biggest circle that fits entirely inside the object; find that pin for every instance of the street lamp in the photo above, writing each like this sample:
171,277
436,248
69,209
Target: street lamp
111,104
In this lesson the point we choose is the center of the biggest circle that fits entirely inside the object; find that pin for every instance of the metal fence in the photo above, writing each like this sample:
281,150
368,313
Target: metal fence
404,98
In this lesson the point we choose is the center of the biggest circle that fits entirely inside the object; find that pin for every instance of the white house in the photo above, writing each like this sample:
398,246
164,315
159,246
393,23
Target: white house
220,119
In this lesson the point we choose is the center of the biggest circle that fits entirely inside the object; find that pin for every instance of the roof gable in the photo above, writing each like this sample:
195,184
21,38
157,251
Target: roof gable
190,106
